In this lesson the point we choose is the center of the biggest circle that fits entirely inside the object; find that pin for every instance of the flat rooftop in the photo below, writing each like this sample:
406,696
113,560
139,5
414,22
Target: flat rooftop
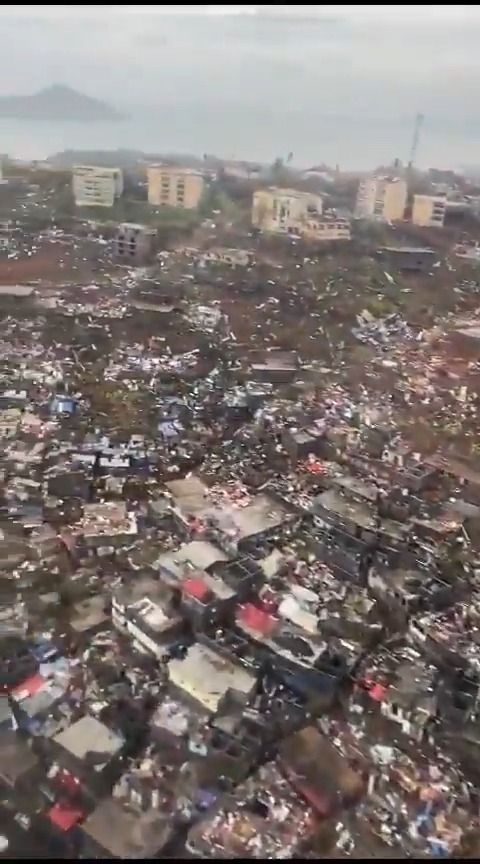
153,615
124,832
192,499
16,290
198,554
472,332
109,519
16,757
140,588
359,513
89,736
405,250
318,768
207,677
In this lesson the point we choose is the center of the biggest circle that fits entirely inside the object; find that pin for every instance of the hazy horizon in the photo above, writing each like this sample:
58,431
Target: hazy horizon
294,79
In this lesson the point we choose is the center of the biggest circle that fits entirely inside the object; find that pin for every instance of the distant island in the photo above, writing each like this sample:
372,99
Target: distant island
57,103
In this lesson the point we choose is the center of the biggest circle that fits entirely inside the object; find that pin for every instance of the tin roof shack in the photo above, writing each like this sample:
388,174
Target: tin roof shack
450,638
420,810
12,401
65,480
10,419
263,819
176,722
219,255
210,679
220,753
88,617
318,773
5,714
274,366
90,752
119,829
408,258
107,524
19,767
39,704
466,336
403,687
144,610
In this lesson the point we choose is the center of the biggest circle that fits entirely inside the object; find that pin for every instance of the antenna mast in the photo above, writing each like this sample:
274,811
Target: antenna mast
415,140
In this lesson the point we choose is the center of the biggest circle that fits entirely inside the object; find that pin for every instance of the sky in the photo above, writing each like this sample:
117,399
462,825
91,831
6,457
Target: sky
448,12
310,68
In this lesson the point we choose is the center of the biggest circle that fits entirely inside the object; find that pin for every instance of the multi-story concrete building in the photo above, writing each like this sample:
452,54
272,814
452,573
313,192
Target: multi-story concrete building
96,187
383,198
284,211
326,229
133,243
429,210
6,235
174,187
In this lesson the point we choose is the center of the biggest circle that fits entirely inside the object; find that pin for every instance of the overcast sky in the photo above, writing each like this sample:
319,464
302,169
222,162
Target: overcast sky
374,63
420,57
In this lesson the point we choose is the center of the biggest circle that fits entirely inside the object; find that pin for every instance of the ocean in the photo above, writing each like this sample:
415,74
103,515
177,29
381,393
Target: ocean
244,132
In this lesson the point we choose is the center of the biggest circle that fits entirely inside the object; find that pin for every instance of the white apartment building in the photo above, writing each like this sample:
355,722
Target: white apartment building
96,187
429,211
281,211
383,198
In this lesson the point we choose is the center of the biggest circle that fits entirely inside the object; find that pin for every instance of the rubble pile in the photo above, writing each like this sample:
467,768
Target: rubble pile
240,597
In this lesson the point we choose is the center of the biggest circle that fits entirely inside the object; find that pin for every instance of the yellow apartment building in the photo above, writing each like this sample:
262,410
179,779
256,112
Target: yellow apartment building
383,198
283,211
429,210
174,187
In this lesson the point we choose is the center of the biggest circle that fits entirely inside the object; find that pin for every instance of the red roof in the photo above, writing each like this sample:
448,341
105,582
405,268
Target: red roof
29,687
64,816
69,782
195,587
253,618
375,690
315,467
378,692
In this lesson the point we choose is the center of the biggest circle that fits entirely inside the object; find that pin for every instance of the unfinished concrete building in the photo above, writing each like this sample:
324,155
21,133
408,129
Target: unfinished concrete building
134,243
